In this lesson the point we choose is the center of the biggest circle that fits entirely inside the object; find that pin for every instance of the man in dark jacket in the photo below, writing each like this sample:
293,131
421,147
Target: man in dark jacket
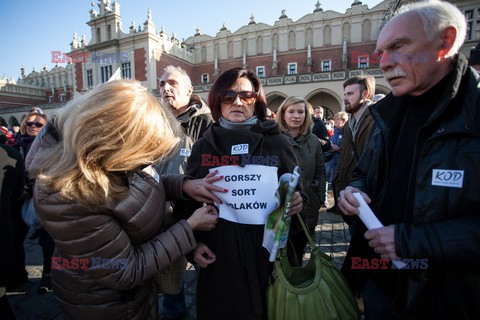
320,130
11,224
194,117
420,174
474,59
176,92
358,94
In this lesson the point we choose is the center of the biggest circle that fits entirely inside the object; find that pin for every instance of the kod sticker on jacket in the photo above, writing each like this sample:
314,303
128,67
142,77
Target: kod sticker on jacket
251,193
240,149
447,178
184,152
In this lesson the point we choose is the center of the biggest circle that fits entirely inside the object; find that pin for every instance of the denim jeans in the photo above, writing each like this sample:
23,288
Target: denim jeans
48,246
174,305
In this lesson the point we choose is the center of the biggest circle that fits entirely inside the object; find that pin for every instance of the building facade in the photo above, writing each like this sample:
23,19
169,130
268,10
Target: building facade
310,57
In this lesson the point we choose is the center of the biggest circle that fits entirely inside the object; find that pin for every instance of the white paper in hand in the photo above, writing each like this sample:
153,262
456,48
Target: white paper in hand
366,214
371,221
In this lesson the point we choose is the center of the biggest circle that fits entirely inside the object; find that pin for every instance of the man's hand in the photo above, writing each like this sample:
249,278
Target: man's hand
297,204
347,202
202,189
382,240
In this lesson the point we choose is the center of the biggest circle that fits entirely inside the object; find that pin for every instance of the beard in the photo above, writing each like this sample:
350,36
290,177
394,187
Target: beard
168,102
352,108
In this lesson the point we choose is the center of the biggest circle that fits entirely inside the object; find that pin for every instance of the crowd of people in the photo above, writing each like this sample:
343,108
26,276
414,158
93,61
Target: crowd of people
119,177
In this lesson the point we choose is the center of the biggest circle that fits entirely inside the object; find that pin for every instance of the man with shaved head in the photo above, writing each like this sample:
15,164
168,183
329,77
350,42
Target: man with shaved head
420,174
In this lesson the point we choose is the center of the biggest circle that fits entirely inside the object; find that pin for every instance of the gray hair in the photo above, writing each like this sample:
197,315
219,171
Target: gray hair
171,68
437,16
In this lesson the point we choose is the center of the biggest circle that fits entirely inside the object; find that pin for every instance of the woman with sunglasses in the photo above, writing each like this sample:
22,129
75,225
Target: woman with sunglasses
235,268
295,121
30,127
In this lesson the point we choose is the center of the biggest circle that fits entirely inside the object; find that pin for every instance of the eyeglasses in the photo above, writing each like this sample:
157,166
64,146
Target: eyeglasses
36,124
247,97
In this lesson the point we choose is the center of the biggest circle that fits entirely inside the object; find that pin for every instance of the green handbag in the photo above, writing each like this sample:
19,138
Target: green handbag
315,291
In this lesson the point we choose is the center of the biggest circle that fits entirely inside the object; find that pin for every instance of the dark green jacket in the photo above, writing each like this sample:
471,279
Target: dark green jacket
308,151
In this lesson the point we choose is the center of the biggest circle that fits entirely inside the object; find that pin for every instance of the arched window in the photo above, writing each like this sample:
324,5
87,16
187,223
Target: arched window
366,30
275,41
245,46
230,49
346,31
291,40
204,54
327,35
99,38
109,32
308,37
260,45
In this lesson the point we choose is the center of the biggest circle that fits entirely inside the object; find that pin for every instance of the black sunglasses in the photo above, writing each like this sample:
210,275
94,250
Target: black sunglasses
36,124
247,97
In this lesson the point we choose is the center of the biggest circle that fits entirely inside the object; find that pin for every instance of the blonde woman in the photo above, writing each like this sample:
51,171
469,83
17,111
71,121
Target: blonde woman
29,128
295,121
102,202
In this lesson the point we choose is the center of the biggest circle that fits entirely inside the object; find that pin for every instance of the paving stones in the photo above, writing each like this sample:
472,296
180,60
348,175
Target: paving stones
331,235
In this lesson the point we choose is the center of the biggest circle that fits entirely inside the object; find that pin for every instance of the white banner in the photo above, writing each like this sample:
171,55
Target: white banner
251,193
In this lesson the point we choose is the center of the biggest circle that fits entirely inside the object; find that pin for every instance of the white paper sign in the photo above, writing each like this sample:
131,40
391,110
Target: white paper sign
251,193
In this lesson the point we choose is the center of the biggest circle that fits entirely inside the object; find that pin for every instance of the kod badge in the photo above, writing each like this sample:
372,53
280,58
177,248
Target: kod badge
447,178
240,149
185,152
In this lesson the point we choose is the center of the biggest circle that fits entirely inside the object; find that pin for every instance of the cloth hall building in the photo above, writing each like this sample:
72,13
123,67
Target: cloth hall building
310,57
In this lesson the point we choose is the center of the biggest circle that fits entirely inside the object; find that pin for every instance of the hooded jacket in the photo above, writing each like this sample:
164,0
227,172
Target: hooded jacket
234,286
106,257
196,119
444,225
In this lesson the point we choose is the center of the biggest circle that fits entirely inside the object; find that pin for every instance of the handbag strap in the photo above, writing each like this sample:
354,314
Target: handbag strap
307,234
283,253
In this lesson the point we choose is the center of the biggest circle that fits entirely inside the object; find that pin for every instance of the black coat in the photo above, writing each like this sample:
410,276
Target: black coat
234,286
23,144
444,225
11,224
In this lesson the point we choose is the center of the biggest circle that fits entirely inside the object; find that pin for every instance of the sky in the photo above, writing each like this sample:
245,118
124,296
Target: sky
31,29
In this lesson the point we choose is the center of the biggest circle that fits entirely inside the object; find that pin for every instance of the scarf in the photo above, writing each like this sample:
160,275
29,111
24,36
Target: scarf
245,125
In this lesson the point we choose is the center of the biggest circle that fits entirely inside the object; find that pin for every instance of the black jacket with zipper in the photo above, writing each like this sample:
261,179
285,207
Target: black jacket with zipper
444,223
